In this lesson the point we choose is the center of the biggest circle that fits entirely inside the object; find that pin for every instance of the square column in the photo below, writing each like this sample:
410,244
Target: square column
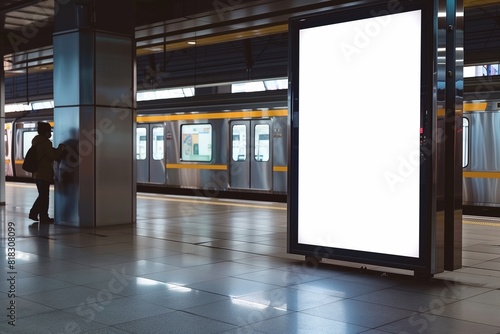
94,113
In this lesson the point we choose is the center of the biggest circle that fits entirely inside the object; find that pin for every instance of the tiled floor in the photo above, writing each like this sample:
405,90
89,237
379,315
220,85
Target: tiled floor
215,266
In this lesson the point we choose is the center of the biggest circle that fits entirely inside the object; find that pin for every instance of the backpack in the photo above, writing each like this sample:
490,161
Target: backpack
30,163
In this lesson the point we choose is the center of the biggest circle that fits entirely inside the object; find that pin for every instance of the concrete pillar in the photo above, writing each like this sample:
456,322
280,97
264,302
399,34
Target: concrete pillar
94,112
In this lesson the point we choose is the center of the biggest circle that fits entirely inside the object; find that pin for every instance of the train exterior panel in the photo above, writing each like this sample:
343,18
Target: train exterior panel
240,151
196,152
481,158
280,153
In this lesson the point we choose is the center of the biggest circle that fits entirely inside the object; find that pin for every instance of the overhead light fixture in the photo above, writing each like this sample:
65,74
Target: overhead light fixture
191,42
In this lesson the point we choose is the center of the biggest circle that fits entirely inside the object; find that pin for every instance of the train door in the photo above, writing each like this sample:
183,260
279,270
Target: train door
150,153
250,156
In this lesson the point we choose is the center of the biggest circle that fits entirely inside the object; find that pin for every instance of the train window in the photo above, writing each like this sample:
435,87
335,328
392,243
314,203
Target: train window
465,141
239,142
262,142
158,143
6,141
196,142
142,148
27,138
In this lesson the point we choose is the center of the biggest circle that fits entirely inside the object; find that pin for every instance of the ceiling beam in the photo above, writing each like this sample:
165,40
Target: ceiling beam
18,5
478,3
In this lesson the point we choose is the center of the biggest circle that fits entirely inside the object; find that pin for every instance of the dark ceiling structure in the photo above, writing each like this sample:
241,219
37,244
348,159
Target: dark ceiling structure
27,28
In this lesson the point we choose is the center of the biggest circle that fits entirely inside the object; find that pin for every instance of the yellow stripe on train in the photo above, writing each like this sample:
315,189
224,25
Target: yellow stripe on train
215,167
195,166
475,106
482,175
217,115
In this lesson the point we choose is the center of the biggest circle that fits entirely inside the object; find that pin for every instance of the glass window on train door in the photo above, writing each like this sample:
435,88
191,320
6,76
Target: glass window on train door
6,141
239,142
27,140
150,155
261,146
251,158
465,142
141,151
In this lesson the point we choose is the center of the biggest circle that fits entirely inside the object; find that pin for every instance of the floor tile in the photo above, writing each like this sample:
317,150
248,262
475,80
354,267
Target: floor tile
91,275
298,323
359,313
69,297
130,286
405,300
174,323
33,284
179,297
232,287
192,265
338,287
476,312
50,322
433,324
278,277
111,311
238,312
289,299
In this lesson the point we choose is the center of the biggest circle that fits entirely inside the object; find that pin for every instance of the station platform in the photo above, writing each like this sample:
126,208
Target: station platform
198,265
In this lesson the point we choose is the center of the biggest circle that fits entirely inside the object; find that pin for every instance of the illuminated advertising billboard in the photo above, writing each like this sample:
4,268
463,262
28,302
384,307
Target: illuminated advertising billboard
357,110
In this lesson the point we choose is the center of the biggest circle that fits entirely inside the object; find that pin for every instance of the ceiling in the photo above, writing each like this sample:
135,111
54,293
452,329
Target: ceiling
28,25
20,13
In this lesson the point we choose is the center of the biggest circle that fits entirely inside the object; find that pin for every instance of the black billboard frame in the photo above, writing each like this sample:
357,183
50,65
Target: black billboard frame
425,264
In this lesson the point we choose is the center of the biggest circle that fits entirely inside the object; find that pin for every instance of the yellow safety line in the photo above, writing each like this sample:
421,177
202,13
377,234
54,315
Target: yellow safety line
194,201
201,201
473,222
208,202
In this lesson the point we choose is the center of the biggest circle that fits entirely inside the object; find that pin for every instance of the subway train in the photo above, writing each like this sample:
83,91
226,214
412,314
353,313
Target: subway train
236,150
481,158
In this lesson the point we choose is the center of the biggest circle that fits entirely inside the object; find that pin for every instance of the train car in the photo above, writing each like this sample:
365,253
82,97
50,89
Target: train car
236,151
20,129
240,152
481,158
215,145
231,153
